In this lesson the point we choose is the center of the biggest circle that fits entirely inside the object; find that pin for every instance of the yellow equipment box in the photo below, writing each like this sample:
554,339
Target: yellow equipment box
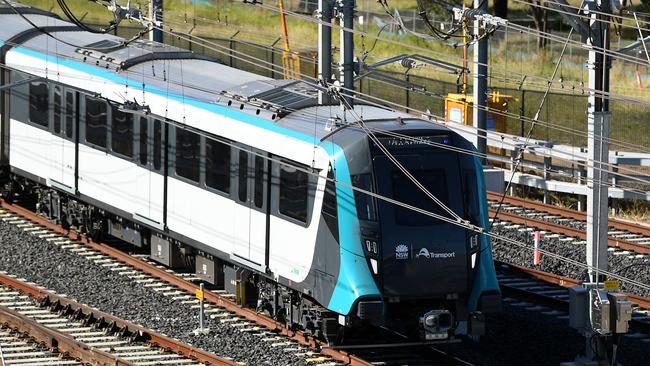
459,107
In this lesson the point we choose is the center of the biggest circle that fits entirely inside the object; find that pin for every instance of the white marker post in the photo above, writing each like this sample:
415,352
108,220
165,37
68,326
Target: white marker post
537,256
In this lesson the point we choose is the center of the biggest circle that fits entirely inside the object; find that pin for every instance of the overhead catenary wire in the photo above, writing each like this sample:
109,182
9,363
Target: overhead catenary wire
247,60
547,124
496,71
389,102
585,17
442,218
45,32
530,131
523,29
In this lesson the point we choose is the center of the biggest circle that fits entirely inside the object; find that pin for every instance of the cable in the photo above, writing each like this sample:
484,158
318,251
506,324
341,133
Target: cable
108,48
70,15
422,49
247,60
530,131
309,77
442,218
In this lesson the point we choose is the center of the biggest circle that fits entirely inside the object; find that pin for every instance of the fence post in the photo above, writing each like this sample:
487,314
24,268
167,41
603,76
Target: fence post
231,45
273,57
408,93
547,176
522,105
581,180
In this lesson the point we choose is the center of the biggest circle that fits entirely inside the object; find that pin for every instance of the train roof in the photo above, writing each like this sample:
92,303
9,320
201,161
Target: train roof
180,72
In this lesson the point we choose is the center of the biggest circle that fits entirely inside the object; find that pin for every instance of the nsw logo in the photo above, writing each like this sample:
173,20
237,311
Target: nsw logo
401,252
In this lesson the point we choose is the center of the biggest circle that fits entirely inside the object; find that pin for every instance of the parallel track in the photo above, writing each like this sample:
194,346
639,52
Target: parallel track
552,290
86,334
219,305
622,235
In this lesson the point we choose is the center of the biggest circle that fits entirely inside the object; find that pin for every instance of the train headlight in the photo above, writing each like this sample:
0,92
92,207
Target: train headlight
373,264
430,321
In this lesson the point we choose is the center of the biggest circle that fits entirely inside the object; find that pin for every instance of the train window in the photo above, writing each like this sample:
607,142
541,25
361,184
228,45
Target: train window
144,134
122,133
258,198
56,123
188,146
39,103
217,162
69,114
405,191
96,121
293,192
157,144
329,197
243,175
330,212
365,203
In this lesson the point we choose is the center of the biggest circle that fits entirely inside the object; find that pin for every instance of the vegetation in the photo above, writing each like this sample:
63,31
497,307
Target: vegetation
512,55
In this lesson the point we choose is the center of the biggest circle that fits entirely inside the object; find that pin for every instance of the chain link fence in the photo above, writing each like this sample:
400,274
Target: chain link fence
563,119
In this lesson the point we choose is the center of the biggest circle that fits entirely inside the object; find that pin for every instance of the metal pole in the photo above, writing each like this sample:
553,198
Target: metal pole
201,311
156,13
346,62
408,92
522,110
598,131
480,81
324,48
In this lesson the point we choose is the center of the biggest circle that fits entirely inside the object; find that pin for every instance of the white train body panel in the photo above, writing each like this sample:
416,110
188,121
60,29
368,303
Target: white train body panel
196,213
29,154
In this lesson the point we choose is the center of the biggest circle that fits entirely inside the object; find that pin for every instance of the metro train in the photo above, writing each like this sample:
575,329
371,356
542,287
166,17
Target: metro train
245,179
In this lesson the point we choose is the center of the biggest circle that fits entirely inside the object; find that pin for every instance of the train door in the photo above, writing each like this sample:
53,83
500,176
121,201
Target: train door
259,187
242,209
251,209
149,179
62,141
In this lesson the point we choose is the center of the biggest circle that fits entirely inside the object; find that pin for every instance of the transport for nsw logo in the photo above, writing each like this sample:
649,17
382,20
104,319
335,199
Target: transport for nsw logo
401,252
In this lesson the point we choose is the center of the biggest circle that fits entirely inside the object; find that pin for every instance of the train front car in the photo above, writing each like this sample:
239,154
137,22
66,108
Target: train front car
436,278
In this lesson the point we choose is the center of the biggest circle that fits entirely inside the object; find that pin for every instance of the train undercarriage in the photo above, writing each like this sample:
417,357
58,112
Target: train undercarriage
251,289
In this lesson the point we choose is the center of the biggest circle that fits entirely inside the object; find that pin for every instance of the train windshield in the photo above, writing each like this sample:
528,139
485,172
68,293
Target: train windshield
405,191
435,169
416,245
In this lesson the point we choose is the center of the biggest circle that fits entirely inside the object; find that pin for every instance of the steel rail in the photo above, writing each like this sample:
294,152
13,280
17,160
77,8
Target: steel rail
568,282
150,336
568,231
190,287
568,213
58,341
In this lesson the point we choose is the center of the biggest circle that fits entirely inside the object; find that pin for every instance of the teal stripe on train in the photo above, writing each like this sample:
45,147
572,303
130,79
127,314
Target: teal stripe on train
354,279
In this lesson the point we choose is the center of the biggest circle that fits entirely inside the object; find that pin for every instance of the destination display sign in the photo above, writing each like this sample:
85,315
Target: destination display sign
413,142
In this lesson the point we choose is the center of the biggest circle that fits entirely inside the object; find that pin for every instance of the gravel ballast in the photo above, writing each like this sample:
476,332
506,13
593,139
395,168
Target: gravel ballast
626,264
515,336
56,269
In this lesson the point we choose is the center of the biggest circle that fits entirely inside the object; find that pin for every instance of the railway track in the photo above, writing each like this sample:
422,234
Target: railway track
83,335
19,349
219,306
551,290
559,220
